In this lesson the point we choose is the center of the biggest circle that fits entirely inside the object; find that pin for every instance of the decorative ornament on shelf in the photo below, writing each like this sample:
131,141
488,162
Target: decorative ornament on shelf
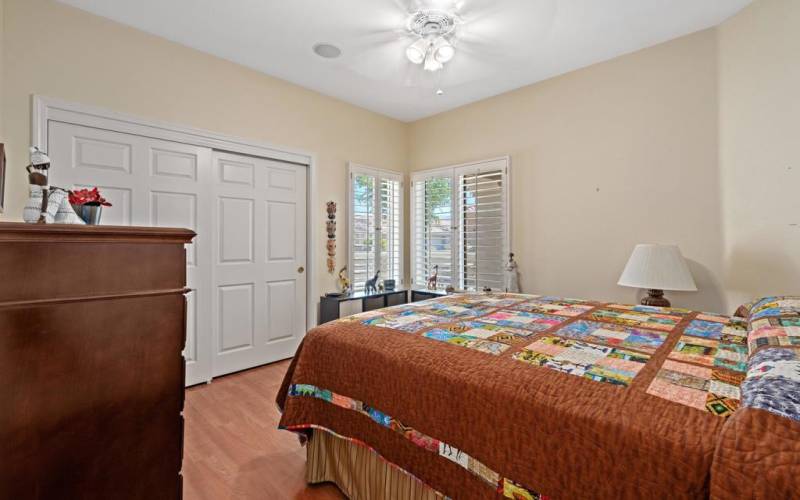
371,285
330,245
88,204
433,278
35,210
46,204
344,281
511,275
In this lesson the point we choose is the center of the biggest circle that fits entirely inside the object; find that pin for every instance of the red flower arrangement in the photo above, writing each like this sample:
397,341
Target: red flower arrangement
87,197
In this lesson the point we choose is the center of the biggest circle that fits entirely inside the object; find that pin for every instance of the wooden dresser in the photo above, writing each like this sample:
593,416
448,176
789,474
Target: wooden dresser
92,325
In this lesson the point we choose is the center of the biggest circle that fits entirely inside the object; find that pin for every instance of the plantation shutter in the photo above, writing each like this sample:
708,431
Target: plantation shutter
391,251
433,232
482,210
460,223
375,226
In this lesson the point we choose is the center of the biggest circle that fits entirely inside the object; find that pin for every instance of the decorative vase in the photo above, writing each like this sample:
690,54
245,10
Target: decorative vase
89,213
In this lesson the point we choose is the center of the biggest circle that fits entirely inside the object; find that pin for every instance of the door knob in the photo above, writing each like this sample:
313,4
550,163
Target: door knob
301,269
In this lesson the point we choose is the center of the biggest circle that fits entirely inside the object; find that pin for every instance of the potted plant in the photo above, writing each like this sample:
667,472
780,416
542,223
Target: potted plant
88,204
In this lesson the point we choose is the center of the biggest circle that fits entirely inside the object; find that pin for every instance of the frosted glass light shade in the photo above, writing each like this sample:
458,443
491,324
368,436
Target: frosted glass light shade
431,64
443,51
416,51
660,267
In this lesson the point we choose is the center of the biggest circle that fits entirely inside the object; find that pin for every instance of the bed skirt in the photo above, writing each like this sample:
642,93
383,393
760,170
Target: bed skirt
359,472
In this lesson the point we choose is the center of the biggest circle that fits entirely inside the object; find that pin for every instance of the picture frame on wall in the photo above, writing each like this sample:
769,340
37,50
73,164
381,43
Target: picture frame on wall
2,176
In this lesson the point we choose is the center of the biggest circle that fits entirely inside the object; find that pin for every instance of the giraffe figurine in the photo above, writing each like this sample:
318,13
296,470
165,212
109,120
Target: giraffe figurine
434,278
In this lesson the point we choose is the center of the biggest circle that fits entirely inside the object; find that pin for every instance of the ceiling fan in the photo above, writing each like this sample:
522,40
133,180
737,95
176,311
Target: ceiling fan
463,36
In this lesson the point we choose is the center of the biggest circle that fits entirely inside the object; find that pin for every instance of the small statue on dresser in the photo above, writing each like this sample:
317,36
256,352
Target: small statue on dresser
372,284
344,281
511,275
433,278
36,209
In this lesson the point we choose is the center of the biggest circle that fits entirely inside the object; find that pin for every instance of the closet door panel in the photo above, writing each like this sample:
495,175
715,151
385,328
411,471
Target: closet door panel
149,182
260,242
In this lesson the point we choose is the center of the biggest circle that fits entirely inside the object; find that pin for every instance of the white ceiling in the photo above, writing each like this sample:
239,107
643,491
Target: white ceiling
501,45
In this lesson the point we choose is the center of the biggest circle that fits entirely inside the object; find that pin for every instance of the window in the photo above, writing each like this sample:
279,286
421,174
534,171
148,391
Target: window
376,222
460,225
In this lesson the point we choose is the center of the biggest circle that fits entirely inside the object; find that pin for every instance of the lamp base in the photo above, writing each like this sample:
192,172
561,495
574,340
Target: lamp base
655,298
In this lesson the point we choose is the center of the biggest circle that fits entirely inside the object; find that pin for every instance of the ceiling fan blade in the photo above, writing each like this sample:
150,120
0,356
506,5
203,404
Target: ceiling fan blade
495,26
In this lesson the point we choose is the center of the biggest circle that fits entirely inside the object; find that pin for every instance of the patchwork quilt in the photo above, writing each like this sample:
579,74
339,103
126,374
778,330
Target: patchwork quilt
522,396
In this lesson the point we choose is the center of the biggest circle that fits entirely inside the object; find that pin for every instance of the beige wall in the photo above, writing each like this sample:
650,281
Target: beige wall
79,57
759,67
619,153
692,142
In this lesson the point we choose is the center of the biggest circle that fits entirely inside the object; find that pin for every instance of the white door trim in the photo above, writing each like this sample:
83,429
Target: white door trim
44,109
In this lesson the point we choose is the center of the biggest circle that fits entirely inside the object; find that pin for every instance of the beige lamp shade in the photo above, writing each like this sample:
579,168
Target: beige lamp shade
659,267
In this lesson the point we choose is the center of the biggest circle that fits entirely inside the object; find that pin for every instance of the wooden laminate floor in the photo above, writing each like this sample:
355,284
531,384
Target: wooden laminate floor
233,448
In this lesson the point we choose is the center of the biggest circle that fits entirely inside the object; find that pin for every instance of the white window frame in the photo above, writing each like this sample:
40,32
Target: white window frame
454,171
354,169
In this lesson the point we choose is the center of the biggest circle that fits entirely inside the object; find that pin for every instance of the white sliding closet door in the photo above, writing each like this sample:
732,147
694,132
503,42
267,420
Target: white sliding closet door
259,255
150,183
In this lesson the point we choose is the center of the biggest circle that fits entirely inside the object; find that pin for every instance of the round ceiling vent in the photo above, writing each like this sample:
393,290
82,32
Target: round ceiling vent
327,50
431,23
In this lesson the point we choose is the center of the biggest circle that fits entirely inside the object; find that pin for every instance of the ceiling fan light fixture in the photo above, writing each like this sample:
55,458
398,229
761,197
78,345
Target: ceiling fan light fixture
443,50
417,51
432,49
431,64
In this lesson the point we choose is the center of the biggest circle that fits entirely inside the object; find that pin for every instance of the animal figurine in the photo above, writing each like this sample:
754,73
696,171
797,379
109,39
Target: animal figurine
344,282
433,278
372,284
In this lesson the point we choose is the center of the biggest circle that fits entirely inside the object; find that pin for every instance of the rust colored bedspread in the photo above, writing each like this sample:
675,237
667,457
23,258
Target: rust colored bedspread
758,457
555,433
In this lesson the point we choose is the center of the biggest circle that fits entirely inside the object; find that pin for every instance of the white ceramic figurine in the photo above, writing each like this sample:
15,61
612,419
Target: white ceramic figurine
511,275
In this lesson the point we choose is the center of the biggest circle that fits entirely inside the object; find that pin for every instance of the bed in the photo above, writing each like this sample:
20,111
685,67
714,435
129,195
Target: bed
492,395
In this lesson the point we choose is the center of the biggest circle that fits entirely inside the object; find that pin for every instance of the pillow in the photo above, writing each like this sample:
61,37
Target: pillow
765,307
773,321
773,382
772,336
743,311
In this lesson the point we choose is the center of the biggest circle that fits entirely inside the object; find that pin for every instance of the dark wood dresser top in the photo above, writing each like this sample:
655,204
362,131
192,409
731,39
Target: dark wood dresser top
19,231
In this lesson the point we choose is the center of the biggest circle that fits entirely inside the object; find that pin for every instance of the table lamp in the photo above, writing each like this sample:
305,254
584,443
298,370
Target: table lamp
657,268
